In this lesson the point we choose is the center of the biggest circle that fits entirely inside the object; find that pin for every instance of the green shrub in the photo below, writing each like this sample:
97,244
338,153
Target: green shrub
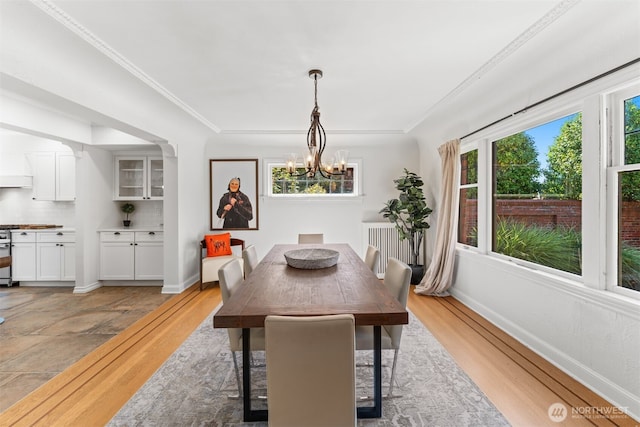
557,248
630,277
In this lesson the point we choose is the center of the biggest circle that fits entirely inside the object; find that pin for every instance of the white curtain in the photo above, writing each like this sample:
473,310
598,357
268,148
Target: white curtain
439,275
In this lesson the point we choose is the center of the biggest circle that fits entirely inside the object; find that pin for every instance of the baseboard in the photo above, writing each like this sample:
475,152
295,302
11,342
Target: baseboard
178,288
617,396
46,284
86,288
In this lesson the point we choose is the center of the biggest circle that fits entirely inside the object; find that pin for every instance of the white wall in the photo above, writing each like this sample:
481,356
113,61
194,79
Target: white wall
94,193
382,159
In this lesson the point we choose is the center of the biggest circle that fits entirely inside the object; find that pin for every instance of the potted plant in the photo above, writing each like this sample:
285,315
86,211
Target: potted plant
409,213
127,208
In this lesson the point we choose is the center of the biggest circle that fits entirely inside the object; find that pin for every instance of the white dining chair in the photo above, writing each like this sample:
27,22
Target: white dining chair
311,370
250,257
396,279
372,258
230,281
310,238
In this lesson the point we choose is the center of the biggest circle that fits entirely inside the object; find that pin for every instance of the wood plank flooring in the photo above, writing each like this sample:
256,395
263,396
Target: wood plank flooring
518,382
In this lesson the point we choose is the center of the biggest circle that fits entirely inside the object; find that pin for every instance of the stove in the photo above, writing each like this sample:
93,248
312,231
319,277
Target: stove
5,250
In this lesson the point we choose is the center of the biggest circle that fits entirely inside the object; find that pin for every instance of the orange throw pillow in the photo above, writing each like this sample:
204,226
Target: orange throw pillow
218,244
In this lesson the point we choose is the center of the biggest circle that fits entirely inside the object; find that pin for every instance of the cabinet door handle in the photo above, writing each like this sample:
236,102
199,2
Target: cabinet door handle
131,244
24,233
153,233
60,233
117,233
61,244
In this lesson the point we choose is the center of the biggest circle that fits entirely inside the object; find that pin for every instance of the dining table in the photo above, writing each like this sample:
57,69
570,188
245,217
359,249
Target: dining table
275,288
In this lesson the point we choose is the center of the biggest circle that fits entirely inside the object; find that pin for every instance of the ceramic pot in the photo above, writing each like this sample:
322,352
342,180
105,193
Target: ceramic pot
417,273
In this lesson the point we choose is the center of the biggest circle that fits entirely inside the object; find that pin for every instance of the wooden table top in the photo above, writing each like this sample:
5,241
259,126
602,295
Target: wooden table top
275,288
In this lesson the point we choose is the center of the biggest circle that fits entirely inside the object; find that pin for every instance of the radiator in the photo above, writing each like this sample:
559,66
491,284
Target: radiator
385,237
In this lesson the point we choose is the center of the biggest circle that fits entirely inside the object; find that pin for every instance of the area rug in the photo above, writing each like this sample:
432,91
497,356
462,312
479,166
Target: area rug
193,386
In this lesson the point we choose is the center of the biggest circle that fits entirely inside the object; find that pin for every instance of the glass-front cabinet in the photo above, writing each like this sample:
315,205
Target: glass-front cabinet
138,178
155,178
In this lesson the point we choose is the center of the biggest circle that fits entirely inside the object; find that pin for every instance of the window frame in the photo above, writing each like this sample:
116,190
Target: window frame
596,213
464,149
269,164
615,165
540,115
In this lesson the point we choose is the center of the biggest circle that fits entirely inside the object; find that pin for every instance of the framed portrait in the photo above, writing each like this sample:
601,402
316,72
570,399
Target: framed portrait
233,192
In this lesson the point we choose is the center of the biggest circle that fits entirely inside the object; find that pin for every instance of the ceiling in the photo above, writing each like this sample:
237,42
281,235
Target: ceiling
242,66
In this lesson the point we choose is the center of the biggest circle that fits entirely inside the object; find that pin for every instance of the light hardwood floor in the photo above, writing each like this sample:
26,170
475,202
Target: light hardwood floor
519,383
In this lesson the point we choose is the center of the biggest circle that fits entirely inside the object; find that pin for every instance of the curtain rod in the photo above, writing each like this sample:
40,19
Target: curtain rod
599,76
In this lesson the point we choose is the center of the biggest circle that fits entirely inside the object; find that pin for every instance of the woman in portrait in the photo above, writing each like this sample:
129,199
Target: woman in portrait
235,207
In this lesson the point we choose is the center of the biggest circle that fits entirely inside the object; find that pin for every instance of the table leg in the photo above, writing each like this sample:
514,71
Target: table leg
375,411
249,414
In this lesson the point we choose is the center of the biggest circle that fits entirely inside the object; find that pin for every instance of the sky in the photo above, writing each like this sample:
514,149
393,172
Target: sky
544,135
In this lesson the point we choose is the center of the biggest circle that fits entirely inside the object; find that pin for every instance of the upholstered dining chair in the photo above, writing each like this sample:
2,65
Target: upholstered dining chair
311,370
372,258
311,238
250,258
396,279
231,279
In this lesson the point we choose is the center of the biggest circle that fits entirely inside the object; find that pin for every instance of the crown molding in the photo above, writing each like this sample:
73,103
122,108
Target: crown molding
560,9
62,17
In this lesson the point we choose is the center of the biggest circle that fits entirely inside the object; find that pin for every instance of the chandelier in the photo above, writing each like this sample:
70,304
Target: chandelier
316,143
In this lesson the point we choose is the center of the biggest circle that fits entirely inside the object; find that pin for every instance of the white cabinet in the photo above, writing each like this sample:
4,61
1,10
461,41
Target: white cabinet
65,176
116,255
55,256
138,178
54,176
149,254
43,255
23,254
129,255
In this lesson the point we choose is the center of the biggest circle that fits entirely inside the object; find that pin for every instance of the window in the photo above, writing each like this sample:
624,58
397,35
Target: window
468,210
281,183
537,195
627,172
556,189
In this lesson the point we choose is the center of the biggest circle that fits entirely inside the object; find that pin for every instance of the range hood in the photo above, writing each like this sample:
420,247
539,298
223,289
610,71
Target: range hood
16,181
14,170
